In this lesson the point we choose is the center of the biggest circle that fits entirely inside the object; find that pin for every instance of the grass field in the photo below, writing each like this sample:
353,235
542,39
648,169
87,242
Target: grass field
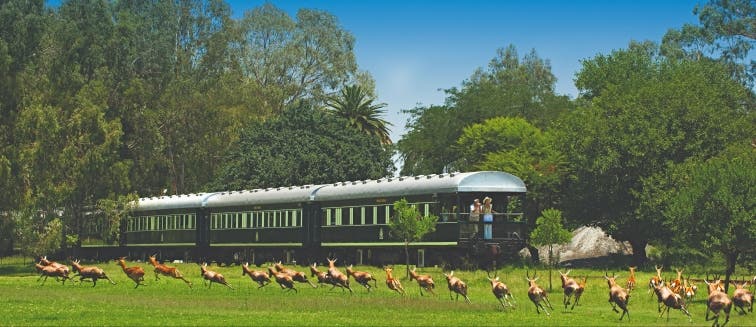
168,302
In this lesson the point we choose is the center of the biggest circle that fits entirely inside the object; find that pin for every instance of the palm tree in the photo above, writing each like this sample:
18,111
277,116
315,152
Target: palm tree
354,104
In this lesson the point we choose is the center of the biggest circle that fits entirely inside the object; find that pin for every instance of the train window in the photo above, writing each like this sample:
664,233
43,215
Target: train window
370,213
294,222
426,207
362,215
190,223
381,217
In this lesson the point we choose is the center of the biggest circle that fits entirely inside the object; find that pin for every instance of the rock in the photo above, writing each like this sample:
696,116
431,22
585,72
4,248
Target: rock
587,242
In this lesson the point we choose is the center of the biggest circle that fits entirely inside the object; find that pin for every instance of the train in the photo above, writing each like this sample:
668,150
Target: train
347,220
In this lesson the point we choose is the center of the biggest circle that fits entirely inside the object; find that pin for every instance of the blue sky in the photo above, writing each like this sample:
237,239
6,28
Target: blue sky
414,49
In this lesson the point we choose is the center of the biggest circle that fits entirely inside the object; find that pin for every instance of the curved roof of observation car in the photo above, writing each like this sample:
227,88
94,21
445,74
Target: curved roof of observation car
481,181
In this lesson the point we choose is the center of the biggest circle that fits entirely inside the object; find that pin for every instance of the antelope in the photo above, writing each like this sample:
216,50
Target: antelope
424,281
717,301
296,276
361,277
500,291
570,287
671,300
391,283
581,288
631,279
742,297
656,280
54,264
260,277
161,269
337,277
50,271
689,290
456,285
537,294
676,285
618,297
212,276
92,273
136,273
283,280
323,277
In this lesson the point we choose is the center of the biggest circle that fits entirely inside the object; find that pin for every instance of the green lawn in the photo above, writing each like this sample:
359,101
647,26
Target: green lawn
170,302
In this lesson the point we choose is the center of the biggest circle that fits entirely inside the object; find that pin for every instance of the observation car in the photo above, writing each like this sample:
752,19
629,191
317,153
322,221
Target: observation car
347,220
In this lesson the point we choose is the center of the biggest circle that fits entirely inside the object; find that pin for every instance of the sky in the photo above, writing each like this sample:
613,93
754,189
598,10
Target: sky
416,49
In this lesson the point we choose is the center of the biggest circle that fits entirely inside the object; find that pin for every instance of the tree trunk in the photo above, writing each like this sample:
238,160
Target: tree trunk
551,265
406,257
639,252
534,255
732,259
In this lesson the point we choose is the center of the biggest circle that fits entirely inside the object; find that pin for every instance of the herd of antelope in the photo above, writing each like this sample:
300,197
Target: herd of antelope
670,294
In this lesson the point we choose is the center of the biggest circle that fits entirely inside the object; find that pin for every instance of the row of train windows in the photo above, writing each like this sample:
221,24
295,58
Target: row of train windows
162,222
367,215
333,216
256,219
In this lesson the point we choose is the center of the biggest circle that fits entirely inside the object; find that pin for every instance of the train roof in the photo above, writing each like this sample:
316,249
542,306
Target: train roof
292,194
169,202
481,181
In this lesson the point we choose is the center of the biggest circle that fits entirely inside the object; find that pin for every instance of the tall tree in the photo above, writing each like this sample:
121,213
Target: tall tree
645,112
511,86
290,60
355,105
712,205
410,226
302,146
727,32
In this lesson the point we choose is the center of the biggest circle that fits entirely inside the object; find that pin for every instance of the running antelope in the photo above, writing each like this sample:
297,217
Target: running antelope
537,294
718,301
50,271
337,277
56,265
671,300
500,291
161,269
212,276
93,273
690,289
655,280
283,280
260,277
323,277
742,297
424,281
631,279
456,285
677,285
136,273
618,297
392,283
570,287
296,276
361,277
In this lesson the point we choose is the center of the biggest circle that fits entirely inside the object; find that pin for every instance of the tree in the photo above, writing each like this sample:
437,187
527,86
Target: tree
510,87
643,113
712,204
550,231
293,60
409,226
357,107
303,146
727,32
